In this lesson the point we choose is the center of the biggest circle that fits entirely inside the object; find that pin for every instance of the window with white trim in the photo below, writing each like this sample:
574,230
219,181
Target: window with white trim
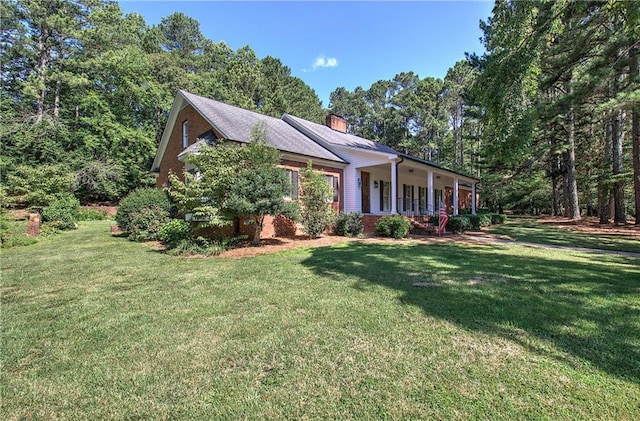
292,175
333,182
185,133
385,192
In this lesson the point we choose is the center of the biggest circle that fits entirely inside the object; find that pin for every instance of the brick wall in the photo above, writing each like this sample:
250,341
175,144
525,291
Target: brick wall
170,162
369,223
279,226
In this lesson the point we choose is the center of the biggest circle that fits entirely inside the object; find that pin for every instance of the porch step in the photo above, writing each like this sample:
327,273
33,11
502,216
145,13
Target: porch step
422,228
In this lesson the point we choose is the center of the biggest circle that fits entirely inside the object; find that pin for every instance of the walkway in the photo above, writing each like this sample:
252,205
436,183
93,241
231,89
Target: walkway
496,240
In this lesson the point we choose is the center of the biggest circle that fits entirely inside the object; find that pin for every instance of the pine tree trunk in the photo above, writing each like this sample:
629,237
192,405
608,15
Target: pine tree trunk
56,100
635,130
604,190
617,136
43,54
572,183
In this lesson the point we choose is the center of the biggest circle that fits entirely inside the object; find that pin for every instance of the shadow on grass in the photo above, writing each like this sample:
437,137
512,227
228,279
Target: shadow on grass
568,308
535,232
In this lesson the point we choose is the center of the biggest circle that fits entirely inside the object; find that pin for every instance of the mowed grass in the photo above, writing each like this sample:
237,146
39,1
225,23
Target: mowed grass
96,327
527,229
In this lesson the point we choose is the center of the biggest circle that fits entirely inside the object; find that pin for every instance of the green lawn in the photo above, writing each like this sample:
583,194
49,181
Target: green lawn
529,230
97,327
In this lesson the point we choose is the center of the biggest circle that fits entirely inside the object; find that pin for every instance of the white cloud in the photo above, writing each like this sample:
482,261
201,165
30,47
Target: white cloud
322,62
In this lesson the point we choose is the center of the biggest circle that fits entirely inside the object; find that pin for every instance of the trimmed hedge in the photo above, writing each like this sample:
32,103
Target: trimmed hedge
498,218
349,224
479,220
396,226
174,232
137,201
461,223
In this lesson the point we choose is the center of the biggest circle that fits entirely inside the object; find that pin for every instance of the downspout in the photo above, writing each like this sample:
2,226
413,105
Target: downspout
398,184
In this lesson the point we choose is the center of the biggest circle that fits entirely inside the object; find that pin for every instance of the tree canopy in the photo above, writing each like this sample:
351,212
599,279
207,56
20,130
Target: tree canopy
548,117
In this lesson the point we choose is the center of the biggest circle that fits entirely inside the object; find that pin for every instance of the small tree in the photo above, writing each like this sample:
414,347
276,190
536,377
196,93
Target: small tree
236,182
316,198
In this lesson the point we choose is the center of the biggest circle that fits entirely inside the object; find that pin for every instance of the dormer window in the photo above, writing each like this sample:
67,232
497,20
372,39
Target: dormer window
185,133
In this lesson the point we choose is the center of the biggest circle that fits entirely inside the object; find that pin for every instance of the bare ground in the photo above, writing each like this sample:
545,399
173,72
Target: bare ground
588,225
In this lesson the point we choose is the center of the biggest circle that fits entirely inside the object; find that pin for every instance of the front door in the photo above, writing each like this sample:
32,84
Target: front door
366,199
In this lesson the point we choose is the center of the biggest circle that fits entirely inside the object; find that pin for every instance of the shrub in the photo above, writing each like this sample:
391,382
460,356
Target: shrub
97,181
396,226
458,224
145,224
317,214
349,224
138,200
498,218
174,232
479,220
202,246
62,213
92,215
37,185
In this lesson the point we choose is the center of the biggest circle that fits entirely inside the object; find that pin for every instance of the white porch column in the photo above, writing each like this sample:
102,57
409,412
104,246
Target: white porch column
430,194
455,196
394,187
473,198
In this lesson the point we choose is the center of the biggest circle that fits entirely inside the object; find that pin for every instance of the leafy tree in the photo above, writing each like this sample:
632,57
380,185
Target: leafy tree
235,183
315,198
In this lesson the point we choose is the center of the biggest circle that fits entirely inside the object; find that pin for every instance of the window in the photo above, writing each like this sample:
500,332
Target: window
408,197
185,133
422,198
385,196
292,175
333,182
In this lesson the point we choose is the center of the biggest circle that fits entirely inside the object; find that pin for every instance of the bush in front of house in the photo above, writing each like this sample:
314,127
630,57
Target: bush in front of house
316,196
396,226
459,224
145,224
349,224
174,232
497,218
479,220
62,213
138,200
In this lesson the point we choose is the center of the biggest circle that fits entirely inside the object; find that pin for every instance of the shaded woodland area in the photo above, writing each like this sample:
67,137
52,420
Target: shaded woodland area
547,117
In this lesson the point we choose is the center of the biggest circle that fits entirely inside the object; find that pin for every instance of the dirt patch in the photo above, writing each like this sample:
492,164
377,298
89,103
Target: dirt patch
274,245
591,225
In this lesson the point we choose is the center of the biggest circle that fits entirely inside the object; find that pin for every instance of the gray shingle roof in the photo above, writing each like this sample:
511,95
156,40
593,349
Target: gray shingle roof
235,123
336,138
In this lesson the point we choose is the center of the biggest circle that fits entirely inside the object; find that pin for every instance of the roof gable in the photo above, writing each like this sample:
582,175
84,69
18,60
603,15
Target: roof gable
332,137
236,124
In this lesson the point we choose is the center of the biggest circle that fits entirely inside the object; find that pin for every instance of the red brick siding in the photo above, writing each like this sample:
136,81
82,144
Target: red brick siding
278,227
464,199
369,223
170,162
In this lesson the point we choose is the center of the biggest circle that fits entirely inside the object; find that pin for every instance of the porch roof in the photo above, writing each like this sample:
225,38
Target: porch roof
431,164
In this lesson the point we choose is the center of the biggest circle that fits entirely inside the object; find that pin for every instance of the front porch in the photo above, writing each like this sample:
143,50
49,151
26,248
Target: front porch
414,189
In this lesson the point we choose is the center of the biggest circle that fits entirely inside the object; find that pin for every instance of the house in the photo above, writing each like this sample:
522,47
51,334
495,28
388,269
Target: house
367,177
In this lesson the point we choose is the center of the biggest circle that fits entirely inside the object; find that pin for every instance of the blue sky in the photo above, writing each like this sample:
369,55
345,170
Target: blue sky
333,44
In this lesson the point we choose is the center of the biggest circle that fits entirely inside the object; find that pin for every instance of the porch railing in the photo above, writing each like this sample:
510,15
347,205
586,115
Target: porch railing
415,207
